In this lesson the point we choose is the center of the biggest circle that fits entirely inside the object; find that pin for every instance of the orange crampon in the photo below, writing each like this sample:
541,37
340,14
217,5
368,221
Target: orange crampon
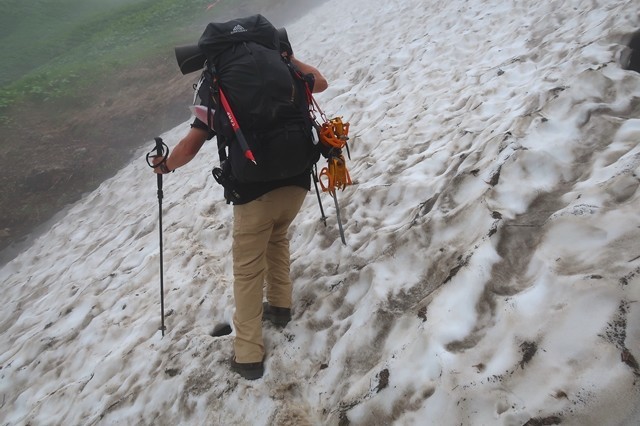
335,174
334,133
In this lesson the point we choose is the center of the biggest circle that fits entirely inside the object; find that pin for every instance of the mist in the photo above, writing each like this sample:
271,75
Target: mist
31,34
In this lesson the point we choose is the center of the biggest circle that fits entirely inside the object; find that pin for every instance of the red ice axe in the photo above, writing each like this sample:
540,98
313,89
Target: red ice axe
236,128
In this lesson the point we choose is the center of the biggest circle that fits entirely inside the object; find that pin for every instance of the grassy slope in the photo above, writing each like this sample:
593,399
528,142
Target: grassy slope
55,47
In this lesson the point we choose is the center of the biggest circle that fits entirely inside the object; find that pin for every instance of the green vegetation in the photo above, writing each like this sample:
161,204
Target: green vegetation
54,48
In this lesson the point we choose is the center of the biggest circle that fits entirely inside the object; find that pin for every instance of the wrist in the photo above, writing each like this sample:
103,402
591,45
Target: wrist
164,168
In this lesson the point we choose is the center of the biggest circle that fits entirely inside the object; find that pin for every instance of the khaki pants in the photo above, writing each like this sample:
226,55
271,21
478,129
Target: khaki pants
261,250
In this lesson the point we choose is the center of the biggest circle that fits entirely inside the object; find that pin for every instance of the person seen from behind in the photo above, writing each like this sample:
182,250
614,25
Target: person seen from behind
260,247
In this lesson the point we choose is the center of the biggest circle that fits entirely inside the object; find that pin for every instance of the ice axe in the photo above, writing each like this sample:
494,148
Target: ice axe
236,128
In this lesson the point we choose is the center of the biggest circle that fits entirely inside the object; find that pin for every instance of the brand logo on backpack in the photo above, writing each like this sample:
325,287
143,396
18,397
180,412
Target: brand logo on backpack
238,29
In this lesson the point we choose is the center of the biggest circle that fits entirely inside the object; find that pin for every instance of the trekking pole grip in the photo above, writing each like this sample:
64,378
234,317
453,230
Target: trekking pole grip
160,153
160,150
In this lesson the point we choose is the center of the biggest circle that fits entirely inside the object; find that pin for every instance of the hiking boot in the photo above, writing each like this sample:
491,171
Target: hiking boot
277,316
248,370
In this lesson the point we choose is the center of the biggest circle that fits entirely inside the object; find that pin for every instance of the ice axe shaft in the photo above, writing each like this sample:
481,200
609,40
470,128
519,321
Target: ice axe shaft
236,128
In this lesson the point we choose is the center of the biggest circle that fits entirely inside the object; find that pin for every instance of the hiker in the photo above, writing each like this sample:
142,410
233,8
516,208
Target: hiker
260,248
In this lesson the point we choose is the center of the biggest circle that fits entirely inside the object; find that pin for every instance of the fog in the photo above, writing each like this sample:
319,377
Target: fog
31,34
28,29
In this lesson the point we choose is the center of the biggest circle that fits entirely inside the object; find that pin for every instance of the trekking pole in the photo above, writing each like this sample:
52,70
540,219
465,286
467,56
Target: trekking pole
334,194
314,173
161,151
336,176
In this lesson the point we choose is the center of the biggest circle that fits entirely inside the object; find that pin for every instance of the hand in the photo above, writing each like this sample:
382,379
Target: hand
157,157
160,165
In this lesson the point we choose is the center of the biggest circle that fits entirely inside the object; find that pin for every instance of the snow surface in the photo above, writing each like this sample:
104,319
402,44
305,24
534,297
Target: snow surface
492,270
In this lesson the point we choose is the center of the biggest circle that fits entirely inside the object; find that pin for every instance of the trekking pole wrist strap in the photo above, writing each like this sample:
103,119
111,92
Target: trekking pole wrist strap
162,166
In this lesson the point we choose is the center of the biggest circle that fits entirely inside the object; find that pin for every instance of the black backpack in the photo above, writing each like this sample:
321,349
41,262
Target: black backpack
261,102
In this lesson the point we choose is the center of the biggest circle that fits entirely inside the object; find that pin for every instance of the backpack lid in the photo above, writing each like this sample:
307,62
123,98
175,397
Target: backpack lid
219,36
